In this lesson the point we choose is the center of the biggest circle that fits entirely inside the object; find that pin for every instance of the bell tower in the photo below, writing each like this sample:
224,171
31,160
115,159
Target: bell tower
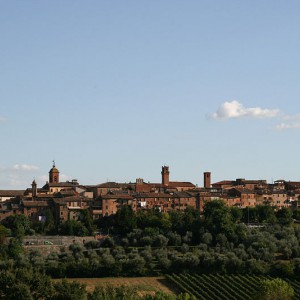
54,174
165,175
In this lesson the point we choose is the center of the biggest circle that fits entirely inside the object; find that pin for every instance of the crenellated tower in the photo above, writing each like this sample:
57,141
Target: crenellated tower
165,175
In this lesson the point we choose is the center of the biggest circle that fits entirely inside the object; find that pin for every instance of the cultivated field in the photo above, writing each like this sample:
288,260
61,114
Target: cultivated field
226,287
145,285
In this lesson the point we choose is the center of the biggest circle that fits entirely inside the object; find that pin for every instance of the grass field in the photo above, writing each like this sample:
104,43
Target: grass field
145,285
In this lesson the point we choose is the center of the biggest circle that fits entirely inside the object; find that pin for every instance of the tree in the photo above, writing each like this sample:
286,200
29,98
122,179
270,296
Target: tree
217,217
65,290
275,289
125,219
49,226
266,214
18,224
86,219
236,214
284,216
4,232
73,227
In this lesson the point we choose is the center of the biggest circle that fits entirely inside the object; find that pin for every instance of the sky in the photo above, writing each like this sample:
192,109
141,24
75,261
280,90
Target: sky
113,90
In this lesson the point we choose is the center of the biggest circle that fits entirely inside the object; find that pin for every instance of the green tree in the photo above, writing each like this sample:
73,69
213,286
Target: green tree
73,227
4,232
284,216
125,219
18,224
65,290
87,220
236,214
217,217
266,214
49,226
275,289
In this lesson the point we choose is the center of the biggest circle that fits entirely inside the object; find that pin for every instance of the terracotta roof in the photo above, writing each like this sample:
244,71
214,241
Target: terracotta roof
223,182
152,195
181,184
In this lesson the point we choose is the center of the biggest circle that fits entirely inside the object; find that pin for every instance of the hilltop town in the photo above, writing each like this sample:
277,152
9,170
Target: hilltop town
67,199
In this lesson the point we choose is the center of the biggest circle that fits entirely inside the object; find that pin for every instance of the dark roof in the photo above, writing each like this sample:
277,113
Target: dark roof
254,181
39,190
11,193
35,203
116,196
61,184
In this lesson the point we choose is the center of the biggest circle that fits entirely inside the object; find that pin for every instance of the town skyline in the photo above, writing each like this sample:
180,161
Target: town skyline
44,179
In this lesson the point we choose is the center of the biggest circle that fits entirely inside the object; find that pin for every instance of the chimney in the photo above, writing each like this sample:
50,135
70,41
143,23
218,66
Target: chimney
207,176
165,175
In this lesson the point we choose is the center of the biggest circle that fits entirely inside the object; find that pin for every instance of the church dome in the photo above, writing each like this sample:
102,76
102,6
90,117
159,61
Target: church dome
54,169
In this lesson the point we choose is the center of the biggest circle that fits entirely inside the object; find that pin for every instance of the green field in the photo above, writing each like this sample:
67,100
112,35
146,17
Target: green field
223,287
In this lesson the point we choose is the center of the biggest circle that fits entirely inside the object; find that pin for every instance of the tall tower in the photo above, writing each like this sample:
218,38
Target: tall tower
207,177
165,175
54,174
34,189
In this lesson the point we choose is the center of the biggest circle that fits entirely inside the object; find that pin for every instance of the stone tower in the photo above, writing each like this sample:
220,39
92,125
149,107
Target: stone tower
165,175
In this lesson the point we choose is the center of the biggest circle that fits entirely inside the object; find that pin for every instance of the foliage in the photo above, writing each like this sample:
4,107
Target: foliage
18,224
125,219
275,289
240,287
73,227
65,290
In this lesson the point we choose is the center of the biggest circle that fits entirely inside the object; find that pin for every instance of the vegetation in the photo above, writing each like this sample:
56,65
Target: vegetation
24,284
150,243
239,287
275,289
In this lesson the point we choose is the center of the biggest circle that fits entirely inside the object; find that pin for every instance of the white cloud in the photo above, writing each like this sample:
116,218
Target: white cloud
25,167
286,126
64,178
291,117
2,119
234,109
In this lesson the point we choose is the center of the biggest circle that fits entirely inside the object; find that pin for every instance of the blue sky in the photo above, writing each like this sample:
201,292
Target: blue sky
113,90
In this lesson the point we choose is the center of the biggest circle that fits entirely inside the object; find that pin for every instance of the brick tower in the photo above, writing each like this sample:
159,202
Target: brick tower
207,177
165,175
